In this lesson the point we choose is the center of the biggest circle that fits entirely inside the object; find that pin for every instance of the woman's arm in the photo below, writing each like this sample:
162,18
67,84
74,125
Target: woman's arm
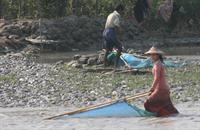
157,70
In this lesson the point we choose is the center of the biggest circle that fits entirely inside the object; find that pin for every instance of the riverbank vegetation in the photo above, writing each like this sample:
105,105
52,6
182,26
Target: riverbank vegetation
185,16
13,9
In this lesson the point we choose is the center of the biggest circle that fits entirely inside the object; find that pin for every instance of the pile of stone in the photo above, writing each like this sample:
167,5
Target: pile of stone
79,61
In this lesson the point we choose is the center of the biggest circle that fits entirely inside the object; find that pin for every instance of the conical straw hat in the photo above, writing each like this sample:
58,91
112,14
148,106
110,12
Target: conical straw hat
154,50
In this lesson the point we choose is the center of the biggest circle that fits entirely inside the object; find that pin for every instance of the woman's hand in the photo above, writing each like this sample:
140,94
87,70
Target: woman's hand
151,90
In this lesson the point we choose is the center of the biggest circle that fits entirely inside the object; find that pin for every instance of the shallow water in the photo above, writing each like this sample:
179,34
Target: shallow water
182,50
53,57
32,119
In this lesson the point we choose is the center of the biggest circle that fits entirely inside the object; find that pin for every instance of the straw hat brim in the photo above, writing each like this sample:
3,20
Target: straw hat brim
154,52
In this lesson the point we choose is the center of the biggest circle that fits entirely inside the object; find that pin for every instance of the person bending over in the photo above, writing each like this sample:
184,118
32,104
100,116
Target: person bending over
112,27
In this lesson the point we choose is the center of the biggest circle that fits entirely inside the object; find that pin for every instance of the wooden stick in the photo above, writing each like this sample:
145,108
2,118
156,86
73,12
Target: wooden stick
128,98
138,96
132,71
100,70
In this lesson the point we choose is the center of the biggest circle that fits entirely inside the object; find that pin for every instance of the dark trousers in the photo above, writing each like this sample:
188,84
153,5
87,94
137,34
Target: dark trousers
111,42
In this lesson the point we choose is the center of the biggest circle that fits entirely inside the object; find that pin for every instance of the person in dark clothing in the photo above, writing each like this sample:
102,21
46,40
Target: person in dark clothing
141,9
110,34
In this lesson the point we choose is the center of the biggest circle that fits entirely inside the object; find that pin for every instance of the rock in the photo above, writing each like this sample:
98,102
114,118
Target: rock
191,22
92,99
4,71
123,82
75,49
13,37
71,63
92,61
178,89
41,38
115,94
60,62
189,99
182,10
185,100
77,56
31,49
101,58
16,55
21,79
196,99
77,65
83,60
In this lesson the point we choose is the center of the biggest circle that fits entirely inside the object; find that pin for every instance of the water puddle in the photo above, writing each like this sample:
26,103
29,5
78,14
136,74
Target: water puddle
182,51
53,57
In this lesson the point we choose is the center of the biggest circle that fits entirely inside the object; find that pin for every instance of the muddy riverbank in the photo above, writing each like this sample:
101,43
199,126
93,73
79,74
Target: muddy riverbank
85,33
26,83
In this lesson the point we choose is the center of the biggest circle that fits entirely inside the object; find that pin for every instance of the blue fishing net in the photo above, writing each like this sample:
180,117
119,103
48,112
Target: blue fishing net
138,63
117,109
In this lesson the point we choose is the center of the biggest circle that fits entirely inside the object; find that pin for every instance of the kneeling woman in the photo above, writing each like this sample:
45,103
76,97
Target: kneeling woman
159,100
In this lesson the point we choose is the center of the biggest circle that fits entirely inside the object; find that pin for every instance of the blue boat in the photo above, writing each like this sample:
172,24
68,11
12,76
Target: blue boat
114,110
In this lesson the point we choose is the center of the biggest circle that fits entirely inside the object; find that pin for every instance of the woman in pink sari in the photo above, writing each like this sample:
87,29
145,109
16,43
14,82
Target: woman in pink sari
159,100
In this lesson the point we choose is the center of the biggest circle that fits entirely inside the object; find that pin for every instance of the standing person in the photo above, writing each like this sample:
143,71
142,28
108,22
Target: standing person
159,100
165,10
142,10
110,34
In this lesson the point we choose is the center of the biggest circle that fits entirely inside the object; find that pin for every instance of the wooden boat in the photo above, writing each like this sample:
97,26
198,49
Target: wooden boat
114,110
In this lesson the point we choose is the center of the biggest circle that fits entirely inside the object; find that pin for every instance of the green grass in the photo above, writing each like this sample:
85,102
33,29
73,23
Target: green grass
186,77
8,78
174,76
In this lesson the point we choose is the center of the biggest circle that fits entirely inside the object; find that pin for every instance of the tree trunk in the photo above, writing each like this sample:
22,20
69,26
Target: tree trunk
19,8
61,7
97,7
40,10
75,7
1,9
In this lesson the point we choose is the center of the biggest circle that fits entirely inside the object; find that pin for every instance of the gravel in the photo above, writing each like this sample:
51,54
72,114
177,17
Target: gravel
25,83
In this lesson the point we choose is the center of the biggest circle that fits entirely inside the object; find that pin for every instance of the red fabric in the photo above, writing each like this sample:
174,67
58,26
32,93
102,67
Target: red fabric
159,100
159,81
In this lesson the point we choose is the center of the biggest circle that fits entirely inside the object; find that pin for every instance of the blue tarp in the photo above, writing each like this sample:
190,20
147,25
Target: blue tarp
138,63
117,109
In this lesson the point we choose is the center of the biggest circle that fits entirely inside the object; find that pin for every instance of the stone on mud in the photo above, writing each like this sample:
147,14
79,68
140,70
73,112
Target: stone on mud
83,60
92,61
